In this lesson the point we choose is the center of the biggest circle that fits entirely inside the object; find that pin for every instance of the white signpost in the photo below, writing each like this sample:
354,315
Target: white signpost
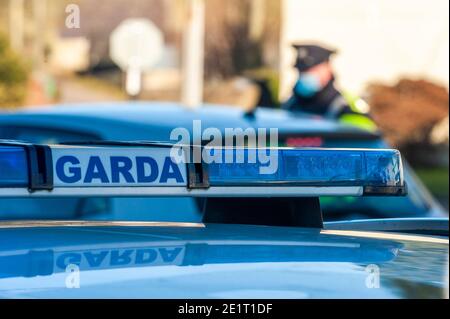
136,45
193,55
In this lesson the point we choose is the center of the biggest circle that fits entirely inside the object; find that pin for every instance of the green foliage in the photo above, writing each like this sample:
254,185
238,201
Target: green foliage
13,76
231,46
436,179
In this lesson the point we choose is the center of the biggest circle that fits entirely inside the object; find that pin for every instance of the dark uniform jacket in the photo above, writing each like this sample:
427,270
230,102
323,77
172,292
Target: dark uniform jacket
330,103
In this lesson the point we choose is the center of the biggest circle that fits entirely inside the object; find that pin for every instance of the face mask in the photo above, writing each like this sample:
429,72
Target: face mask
307,85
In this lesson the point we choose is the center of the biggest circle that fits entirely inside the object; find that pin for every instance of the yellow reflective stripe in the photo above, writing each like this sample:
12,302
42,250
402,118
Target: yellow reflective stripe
359,120
360,106
356,104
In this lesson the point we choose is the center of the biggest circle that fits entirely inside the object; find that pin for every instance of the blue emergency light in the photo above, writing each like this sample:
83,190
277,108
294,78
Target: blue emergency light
13,167
308,167
149,170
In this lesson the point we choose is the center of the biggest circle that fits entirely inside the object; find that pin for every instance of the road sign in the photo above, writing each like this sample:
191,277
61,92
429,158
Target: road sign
136,41
136,45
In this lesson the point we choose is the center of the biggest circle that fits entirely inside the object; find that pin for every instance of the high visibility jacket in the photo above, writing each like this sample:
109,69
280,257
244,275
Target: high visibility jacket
353,110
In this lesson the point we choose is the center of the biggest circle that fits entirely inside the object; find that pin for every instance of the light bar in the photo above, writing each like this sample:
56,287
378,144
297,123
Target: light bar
306,167
148,169
13,167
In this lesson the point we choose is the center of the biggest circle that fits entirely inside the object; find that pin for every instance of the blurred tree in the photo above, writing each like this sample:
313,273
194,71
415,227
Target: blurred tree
13,76
407,113
237,31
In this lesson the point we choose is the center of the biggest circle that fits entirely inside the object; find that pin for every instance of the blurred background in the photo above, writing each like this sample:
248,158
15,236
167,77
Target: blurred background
395,54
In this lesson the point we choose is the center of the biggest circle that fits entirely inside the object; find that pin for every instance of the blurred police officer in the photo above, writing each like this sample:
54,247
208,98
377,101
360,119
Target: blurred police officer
316,93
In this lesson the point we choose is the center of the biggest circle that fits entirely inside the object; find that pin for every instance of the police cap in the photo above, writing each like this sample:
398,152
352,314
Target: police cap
309,55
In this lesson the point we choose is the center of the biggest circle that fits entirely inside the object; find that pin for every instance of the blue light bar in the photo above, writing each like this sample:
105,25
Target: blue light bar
307,167
224,172
13,167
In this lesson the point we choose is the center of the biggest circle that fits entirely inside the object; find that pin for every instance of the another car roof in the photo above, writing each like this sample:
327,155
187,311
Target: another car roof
169,115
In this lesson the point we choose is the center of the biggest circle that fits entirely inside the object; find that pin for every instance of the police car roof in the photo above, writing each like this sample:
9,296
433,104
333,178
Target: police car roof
234,260
168,115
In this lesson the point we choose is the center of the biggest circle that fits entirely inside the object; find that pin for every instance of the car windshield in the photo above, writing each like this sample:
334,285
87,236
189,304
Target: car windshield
417,203
191,210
